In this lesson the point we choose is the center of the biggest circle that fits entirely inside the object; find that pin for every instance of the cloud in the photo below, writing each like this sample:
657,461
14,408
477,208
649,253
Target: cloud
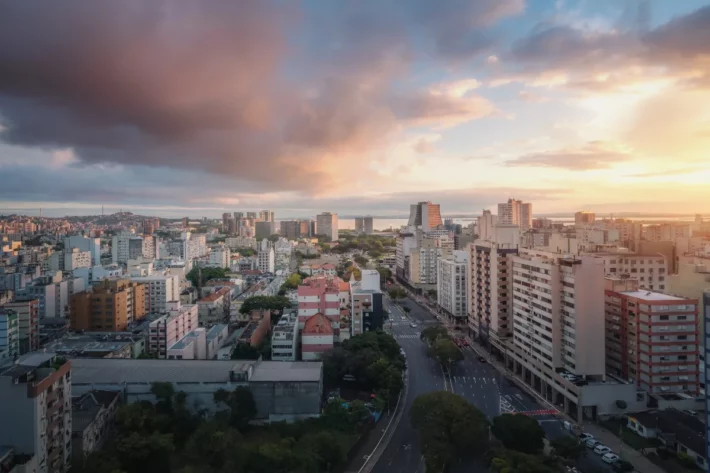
593,155
531,97
669,172
423,146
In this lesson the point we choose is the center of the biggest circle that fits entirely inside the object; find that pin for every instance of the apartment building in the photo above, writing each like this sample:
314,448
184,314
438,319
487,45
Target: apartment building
199,344
649,269
652,338
53,293
327,225
214,308
422,261
9,335
485,225
316,337
264,229
584,218
319,295
667,231
366,307
285,339
692,280
159,291
68,259
36,402
425,215
452,286
515,212
489,293
92,245
28,322
405,242
265,257
220,257
235,243
110,305
168,329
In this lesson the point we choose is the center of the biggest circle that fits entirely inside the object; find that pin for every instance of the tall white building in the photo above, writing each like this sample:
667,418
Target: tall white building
68,259
451,285
159,291
515,212
220,256
327,224
422,261
92,245
120,247
485,225
53,292
265,258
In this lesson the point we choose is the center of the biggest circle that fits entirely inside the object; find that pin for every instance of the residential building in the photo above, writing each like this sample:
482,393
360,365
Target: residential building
367,312
28,320
36,393
9,334
425,215
168,329
160,290
110,305
286,339
316,337
327,225
214,308
691,281
451,286
405,242
319,295
364,225
257,328
584,218
515,212
97,273
489,297
542,223
92,245
327,269
649,269
264,229
667,231
53,293
652,338
486,224
199,344
220,257
294,229
99,345
422,262
235,243
120,247
69,259
93,416
265,258
283,391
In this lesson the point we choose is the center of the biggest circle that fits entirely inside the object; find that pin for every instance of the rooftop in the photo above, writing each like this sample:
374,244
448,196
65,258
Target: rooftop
652,296
215,295
688,430
214,332
266,371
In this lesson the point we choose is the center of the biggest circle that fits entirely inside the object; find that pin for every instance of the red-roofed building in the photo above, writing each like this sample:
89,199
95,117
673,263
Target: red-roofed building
316,337
318,295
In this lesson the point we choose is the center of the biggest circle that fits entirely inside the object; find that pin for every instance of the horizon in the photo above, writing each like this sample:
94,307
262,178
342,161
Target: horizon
567,104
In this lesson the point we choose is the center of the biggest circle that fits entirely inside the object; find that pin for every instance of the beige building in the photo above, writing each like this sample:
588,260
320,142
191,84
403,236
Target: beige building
692,279
110,306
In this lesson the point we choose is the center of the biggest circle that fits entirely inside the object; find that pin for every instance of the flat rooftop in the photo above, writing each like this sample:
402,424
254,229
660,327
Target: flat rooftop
652,296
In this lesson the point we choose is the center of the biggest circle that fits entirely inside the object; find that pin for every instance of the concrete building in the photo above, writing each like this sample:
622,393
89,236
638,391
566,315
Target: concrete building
220,257
35,393
159,291
199,344
294,229
93,416
168,329
283,391
584,218
98,273
236,243
28,321
364,225
286,339
266,258
405,243
110,305
53,293
425,215
316,337
318,295
515,212
485,225
214,308
422,262
264,229
92,245
327,225
366,307
9,335
650,270
652,338
692,281
451,286
69,259
120,247
667,231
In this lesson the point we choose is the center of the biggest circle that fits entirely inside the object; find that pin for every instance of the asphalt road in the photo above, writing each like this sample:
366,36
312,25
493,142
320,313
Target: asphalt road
478,382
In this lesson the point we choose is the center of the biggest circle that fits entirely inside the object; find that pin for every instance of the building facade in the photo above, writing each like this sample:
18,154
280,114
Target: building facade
425,215
327,225
366,306
110,305
168,329
316,337
159,291
28,321
451,285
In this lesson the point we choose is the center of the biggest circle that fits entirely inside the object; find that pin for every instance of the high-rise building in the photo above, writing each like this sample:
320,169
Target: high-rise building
220,256
185,222
264,229
584,218
225,221
28,322
425,215
652,338
168,329
160,291
451,285
327,225
9,335
92,245
265,257
252,215
367,313
36,410
291,229
515,212
422,261
364,225
110,306
485,225
238,215
266,215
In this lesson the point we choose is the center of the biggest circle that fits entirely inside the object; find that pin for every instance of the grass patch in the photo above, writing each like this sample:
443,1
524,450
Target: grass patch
629,437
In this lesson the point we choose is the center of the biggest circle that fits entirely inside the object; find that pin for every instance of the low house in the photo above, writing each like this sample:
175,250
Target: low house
93,415
680,432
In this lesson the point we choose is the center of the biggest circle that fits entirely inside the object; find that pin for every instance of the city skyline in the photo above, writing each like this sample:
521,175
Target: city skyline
360,110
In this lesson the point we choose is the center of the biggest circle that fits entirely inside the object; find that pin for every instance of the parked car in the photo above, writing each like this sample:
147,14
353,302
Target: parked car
584,436
481,359
622,466
413,325
591,442
610,458
601,449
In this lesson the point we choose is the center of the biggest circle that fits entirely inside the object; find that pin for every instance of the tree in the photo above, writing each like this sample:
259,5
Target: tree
277,303
140,453
326,448
431,334
292,282
509,461
449,428
397,293
210,443
244,351
274,237
242,407
207,274
568,447
385,275
445,352
519,432
361,260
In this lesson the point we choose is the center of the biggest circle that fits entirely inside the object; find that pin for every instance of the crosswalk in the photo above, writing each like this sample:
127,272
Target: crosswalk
416,335
506,403
474,380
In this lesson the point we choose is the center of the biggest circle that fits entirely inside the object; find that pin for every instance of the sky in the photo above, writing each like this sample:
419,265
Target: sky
357,107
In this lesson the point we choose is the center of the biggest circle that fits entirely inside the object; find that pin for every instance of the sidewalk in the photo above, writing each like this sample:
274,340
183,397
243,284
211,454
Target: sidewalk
366,449
636,458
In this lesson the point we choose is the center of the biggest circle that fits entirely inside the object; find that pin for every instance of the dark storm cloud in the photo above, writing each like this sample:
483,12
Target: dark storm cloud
254,89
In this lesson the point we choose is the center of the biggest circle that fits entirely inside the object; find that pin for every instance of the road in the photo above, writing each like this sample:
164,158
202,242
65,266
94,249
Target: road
478,382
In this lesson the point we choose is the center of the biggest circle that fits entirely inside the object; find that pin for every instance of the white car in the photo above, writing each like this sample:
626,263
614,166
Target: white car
591,442
602,449
583,437
413,325
610,458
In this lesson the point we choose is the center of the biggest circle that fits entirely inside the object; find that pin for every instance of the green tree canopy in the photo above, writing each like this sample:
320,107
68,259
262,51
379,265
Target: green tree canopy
207,273
445,351
509,461
433,333
397,293
361,260
449,427
244,351
519,432
277,303
385,275
292,282
568,447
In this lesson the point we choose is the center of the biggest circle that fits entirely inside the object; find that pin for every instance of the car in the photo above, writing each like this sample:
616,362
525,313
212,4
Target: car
690,412
610,458
602,449
591,442
413,325
584,436
481,359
